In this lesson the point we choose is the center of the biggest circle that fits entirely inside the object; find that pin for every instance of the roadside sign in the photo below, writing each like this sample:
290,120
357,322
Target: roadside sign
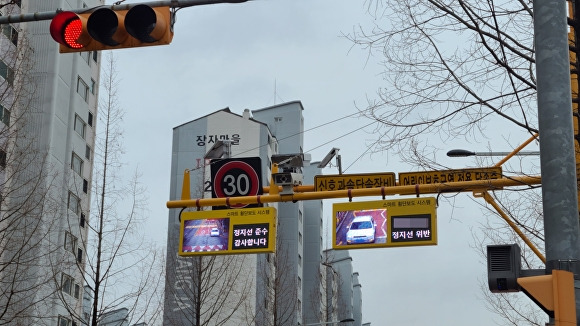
234,177
443,176
353,181
385,223
226,232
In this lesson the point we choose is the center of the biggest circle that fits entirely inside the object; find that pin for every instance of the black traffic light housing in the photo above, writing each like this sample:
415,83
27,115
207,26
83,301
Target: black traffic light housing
551,290
503,268
107,29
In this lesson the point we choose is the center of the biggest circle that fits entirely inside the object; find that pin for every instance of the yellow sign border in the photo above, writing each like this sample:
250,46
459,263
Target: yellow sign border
396,207
237,217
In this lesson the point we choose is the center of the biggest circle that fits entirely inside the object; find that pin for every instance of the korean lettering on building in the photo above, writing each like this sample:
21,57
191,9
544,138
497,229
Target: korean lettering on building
202,140
250,236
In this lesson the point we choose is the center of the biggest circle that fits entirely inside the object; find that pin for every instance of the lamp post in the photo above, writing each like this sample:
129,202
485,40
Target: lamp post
465,153
331,322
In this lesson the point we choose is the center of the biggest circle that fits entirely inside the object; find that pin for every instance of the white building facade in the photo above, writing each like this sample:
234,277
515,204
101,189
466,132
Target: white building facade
49,105
211,289
288,287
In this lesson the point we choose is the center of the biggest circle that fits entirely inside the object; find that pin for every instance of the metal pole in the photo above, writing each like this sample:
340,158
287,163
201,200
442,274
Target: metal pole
48,15
557,158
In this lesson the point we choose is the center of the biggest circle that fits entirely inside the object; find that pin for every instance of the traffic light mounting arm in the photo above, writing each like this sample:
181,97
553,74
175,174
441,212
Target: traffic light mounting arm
48,15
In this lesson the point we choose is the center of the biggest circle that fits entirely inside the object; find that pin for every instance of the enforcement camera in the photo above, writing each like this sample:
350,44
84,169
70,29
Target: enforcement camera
287,179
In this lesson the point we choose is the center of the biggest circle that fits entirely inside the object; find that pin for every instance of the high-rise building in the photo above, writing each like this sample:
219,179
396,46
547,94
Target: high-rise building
343,290
48,107
285,288
212,288
275,135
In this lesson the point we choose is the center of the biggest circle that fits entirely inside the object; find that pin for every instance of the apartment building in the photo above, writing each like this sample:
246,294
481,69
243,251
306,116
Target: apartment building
285,288
48,107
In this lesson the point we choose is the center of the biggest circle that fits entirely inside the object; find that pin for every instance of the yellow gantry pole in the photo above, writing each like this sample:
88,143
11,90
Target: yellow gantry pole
516,150
489,199
460,186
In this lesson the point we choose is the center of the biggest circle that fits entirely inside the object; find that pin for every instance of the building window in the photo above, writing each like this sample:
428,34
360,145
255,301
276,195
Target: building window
88,152
79,255
86,56
67,284
2,159
4,115
300,237
82,221
299,283
11,33
77,292
77,164
93,86
70,242
90,119
80,126
299,260
74,203
62,321
95,56
6,72
85,186
83,89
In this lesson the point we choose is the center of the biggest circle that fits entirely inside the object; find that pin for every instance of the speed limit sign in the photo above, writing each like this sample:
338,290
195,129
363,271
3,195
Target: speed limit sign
234,177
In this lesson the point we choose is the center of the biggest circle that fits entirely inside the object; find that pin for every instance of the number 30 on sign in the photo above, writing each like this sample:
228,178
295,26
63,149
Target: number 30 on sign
234,177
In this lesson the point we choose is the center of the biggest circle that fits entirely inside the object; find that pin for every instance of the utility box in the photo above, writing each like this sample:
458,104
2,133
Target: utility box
503,268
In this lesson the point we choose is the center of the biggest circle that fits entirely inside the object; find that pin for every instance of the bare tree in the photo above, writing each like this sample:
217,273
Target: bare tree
209,290
214,290
451,67
278,302
122,269
460,69
328,292
26,183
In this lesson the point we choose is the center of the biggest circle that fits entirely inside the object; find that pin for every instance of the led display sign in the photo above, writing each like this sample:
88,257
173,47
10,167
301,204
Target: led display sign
233,231
385,223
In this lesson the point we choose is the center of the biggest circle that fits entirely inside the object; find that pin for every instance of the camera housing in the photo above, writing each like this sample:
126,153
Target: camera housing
287,179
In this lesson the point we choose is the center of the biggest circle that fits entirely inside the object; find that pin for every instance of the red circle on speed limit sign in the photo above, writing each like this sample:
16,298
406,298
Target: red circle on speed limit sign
234,179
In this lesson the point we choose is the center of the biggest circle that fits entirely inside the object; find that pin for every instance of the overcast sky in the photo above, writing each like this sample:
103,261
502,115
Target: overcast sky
266,52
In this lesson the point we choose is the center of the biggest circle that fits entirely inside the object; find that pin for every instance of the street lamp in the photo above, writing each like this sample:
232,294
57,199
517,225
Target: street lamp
465,153
331,322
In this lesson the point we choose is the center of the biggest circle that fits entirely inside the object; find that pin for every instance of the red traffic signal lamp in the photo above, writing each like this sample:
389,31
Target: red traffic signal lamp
106,29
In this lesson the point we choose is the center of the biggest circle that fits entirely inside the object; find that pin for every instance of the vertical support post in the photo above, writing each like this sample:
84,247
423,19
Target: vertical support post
185,187
557,154
574,22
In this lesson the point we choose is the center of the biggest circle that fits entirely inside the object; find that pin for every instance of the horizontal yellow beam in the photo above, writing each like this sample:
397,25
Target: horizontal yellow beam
459,186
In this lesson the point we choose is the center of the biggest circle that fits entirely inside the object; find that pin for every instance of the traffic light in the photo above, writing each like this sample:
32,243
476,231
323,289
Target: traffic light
503,267
106,29
554,294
